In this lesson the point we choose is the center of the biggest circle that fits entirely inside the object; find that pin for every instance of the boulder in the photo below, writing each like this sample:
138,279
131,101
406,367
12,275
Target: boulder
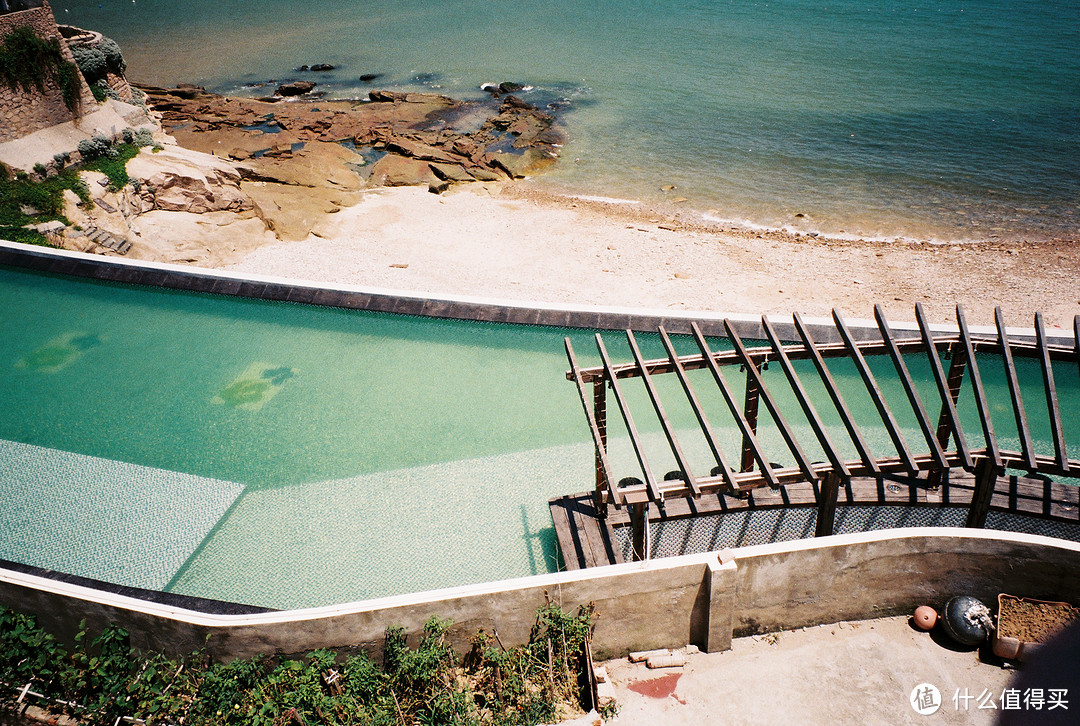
322,67
318,164
211,239
369,77
451,172
510,87
296,88
180,180
397,171
521,165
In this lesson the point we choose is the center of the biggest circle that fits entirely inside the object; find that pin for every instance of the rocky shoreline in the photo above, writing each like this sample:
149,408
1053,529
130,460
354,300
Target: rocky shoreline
419,138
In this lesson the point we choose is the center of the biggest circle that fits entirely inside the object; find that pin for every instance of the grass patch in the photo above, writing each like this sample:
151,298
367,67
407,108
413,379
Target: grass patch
24,202
115,166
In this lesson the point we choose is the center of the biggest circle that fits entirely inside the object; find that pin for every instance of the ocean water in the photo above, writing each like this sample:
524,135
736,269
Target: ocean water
873,118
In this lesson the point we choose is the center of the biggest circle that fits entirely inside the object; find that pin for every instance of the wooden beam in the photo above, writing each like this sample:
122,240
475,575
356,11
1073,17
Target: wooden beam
809,411
909,388
980,392
665,424
770,404
599,437
1054,411
734,407
1027,448
631,429
699,411
826,509
985,478
600,416
750,409
639,532
948,389
868,458
876,395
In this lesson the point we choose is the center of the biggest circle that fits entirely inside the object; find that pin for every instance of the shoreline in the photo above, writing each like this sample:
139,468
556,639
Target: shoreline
520,241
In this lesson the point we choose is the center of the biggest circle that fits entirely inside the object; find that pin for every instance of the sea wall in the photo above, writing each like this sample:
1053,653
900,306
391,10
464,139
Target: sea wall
23,112
703,599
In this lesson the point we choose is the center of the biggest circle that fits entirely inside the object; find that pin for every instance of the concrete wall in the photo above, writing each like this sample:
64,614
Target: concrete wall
23,112
703,599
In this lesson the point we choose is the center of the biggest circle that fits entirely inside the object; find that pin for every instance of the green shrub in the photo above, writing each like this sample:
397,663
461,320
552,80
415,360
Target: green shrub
103,679
93,148
28,60
100,91
91,62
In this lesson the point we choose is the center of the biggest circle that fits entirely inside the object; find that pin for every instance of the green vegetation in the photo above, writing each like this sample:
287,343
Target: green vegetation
24,202
102,679
28,60
113,164
97,61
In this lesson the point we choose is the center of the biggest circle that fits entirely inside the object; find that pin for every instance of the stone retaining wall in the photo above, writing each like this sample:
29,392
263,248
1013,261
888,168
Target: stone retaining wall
23,112
702,599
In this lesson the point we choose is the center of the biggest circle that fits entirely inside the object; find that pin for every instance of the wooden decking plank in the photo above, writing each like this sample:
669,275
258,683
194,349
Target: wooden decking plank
1056,430
628,420
876,395
803,398
658,406
1026,446
980,392
868,459
699,411
734,407
909,389
770,404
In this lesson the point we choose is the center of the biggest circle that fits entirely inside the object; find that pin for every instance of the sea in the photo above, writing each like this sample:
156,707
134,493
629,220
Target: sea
885,119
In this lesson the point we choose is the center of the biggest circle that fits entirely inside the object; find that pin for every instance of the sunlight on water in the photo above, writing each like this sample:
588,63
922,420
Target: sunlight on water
876,118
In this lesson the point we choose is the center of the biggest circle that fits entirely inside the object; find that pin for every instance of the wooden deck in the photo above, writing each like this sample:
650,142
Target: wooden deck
587,539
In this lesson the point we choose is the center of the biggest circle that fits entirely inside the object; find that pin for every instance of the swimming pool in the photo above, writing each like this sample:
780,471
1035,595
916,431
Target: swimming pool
288,455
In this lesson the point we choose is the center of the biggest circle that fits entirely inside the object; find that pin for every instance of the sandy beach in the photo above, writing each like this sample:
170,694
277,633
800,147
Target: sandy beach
519,242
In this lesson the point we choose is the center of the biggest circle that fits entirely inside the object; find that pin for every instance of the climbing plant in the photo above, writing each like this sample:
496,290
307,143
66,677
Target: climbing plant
27,61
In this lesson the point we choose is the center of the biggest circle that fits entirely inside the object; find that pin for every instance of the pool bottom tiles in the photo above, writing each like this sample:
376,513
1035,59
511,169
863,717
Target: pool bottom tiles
289,546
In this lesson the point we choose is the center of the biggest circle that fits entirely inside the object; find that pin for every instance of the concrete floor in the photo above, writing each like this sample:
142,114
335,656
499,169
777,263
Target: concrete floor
849,673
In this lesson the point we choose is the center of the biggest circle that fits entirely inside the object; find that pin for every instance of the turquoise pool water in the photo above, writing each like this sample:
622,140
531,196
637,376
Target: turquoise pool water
287,455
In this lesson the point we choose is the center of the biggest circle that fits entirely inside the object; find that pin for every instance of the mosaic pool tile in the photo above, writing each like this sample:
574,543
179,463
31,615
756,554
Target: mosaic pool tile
107,520
59,353
389,533
255,386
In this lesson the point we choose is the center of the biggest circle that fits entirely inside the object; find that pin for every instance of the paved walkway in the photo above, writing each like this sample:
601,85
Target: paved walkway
849,673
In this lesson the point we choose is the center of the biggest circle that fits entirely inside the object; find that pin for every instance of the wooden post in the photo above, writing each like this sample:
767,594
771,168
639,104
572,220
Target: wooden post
826,513
600,415
985,478
639,523
955,379
751,411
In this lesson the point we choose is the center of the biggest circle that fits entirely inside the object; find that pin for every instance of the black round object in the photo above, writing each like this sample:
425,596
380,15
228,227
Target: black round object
957,624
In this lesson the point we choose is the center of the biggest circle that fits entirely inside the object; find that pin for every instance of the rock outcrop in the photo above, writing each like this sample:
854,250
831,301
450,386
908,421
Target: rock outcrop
513,140
180,180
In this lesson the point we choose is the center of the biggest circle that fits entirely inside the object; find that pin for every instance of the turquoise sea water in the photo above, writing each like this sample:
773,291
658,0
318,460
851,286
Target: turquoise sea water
954,120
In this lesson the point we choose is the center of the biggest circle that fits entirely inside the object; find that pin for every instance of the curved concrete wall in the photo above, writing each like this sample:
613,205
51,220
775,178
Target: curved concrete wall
703,599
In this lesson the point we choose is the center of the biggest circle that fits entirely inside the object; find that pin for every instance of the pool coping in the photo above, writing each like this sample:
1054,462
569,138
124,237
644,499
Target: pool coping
461,307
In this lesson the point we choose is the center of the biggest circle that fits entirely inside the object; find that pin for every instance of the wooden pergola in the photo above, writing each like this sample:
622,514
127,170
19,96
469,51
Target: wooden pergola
947,449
